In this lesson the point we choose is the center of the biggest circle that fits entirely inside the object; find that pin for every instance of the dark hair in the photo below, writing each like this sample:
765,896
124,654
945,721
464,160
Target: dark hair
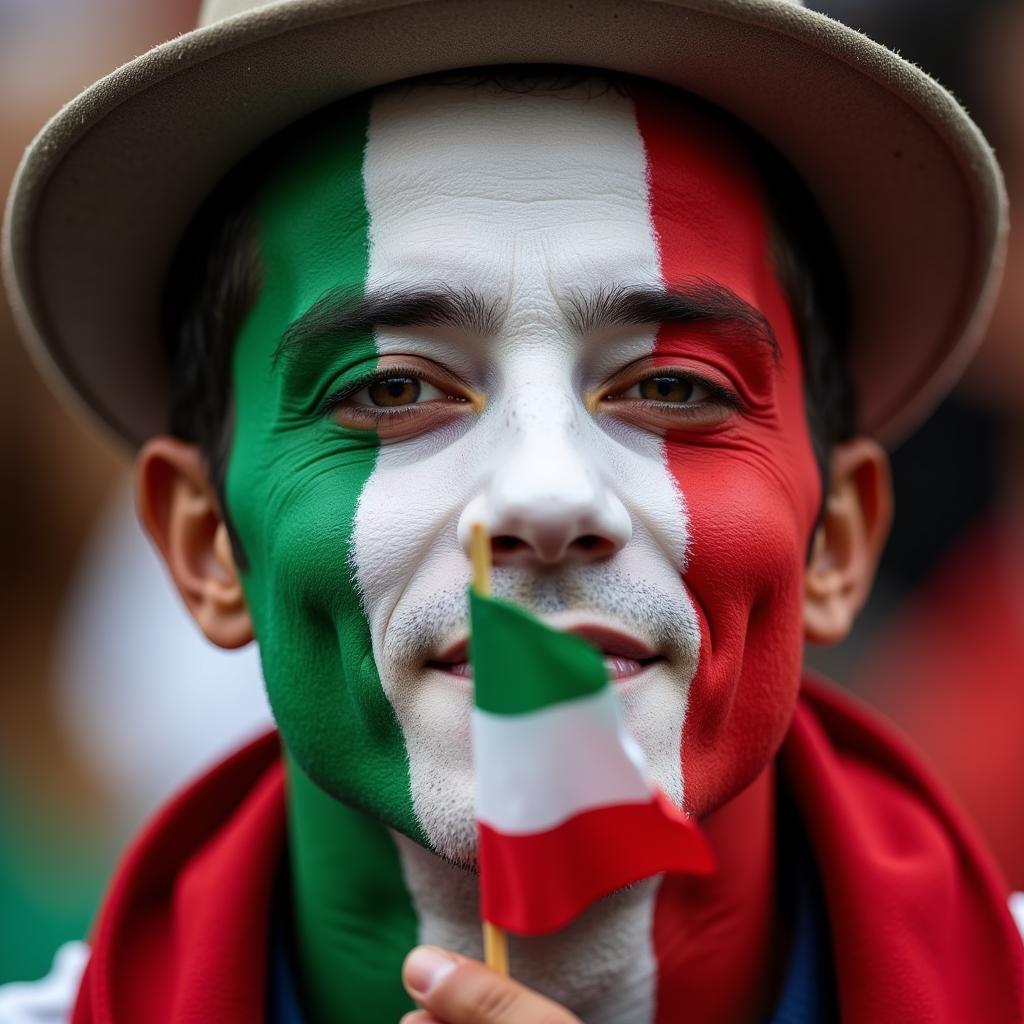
815,285
214,281
217,275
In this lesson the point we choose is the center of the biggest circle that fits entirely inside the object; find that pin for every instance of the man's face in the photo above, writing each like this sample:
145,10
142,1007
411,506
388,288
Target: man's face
554,312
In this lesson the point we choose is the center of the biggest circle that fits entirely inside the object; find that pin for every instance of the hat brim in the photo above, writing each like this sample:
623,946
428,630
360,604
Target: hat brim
905,180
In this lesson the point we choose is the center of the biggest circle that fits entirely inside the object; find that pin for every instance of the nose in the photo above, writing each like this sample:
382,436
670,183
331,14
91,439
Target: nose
544,504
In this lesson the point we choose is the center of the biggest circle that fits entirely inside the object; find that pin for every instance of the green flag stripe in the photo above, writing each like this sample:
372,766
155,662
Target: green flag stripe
520,665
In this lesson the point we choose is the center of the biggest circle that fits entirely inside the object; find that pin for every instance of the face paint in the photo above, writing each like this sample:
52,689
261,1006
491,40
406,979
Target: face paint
752,486
523,195
752,490
353,519
293,483
295,476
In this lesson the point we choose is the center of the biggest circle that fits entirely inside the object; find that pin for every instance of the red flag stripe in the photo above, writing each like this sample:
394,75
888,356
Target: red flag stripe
547,878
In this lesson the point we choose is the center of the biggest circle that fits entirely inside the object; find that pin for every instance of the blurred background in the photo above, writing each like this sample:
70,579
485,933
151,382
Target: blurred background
109,697
940,649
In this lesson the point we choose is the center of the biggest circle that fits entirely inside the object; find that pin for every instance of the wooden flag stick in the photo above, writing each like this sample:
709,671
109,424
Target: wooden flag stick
496,948
495,939
480,552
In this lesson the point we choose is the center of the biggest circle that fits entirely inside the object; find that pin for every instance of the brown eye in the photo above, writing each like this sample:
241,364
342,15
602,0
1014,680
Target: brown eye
401,400
666,389
670,399
395,391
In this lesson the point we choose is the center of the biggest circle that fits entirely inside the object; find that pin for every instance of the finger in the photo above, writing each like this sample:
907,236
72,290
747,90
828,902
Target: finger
461,991
419,1017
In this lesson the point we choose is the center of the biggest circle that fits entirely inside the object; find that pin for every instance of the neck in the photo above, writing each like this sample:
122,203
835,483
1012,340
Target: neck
353,918
722,945
363,896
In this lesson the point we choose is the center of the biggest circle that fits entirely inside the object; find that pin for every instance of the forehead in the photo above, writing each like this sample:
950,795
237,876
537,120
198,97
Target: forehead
500,179
491,187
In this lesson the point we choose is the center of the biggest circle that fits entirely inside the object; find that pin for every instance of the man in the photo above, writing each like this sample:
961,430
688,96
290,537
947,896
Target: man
596,314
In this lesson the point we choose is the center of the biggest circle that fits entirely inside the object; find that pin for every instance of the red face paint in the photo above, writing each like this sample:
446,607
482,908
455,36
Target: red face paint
751,487
752,492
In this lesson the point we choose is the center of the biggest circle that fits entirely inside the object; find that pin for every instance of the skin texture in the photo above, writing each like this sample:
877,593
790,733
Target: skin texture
683,519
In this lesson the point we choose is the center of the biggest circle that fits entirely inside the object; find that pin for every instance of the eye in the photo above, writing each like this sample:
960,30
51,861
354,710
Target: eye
397,391
666,398
672,388
401,399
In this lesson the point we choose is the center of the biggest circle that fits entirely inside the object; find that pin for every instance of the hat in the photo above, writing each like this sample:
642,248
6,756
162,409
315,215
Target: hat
906,182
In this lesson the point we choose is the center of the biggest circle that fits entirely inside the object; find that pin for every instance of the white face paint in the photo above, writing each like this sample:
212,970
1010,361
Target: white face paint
528,201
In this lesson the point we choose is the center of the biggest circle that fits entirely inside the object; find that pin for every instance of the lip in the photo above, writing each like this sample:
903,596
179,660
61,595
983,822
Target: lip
624,655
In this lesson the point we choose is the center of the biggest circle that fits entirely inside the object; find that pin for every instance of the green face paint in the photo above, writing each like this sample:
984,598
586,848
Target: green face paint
295,476
293,483
354,920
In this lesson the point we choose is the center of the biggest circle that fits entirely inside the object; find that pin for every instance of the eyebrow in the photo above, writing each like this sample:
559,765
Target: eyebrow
342,312
704,302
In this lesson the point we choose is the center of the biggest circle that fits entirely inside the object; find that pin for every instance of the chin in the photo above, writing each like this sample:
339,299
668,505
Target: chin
445,806
435,711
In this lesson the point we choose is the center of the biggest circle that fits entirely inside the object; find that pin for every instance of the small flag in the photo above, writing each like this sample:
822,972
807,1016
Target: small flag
565,810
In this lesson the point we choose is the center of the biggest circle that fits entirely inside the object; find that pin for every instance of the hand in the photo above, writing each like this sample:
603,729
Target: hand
453,989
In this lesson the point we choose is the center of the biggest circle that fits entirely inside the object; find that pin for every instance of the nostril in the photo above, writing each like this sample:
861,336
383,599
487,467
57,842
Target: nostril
593,544
507,546
506,542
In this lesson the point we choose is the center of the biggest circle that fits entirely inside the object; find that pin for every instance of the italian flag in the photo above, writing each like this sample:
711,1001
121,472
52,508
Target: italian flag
566,813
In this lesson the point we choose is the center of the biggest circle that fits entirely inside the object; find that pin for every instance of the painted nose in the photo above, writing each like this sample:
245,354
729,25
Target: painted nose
545,505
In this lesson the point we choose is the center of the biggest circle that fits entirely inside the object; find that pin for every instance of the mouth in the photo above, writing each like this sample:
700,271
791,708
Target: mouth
624,656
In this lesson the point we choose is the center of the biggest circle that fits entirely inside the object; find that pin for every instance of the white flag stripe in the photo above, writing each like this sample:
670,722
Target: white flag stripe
536,770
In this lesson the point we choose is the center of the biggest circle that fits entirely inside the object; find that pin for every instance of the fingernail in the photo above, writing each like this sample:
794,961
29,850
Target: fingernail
425,968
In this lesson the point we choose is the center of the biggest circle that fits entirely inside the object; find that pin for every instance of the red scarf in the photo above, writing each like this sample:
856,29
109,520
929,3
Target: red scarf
917,910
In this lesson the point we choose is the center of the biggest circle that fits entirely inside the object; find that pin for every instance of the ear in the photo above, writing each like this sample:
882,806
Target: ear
180,510
849,540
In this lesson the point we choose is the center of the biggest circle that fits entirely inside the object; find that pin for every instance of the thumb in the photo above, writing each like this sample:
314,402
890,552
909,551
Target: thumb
457,990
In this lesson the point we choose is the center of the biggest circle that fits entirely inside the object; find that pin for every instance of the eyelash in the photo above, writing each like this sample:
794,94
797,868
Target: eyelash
718,392
336,398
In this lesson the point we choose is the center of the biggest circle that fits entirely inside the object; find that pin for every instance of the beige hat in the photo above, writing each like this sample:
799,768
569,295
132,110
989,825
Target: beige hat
906,181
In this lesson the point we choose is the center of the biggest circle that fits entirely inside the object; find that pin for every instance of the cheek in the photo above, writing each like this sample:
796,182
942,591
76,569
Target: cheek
314,639
294,504
744,575
752,502
301,581
405,548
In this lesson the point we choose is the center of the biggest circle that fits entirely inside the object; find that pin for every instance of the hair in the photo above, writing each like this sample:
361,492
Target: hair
217,275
